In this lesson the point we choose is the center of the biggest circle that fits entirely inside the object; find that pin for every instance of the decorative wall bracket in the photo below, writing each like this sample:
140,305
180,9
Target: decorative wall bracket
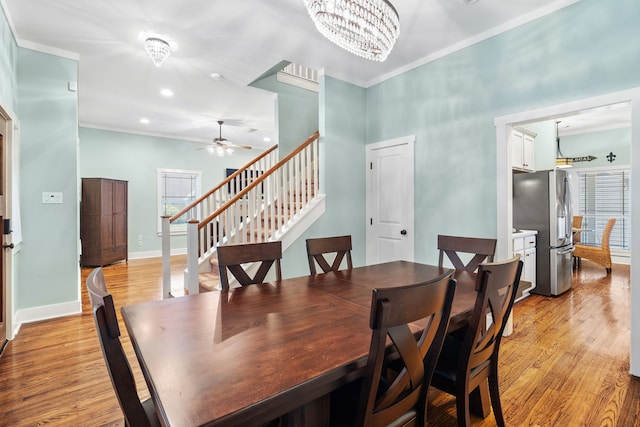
611,157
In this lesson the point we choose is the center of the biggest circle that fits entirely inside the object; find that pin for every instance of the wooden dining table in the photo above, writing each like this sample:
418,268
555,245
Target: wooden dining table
244,356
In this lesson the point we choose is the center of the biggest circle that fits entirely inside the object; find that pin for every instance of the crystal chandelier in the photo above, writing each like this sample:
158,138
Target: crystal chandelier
368,28
158,47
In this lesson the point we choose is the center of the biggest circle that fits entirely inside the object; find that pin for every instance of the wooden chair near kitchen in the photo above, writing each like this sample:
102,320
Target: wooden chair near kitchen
576,227
317,249
400,400
469,356
599,254
136,413
481,250
231,258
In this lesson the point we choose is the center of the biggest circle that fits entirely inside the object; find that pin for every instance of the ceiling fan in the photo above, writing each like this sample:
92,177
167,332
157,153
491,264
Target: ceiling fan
222,146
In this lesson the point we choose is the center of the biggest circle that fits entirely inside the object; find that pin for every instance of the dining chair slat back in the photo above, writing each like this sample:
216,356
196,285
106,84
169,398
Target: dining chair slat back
392,310
318,248
232,258
136,413
469,358
482,250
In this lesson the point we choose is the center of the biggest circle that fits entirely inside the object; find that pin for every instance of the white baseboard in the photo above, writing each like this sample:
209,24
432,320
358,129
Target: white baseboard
155,254
44,312
621,258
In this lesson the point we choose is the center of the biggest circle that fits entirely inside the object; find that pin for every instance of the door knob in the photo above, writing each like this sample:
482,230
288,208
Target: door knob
403,232
9,246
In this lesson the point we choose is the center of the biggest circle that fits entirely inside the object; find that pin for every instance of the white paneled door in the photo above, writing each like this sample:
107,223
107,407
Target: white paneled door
390,216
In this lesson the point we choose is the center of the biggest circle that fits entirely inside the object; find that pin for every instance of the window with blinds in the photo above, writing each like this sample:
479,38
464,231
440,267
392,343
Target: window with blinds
603,195
177,189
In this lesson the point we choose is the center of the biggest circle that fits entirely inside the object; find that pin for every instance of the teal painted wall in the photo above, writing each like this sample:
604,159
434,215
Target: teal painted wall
599,144
136,158
48,270
342,173
8,65
296,113
584,50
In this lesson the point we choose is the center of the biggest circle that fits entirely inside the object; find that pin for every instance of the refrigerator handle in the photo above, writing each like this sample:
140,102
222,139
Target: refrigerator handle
569,250
568,205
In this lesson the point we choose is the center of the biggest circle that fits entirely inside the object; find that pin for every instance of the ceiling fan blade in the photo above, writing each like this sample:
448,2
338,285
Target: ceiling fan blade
244,147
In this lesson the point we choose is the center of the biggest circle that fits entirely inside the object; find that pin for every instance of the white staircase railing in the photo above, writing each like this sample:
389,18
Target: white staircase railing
255,204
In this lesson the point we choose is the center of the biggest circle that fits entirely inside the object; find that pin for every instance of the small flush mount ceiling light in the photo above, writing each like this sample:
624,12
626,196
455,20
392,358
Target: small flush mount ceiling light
166,92
367,28
158,46
144,121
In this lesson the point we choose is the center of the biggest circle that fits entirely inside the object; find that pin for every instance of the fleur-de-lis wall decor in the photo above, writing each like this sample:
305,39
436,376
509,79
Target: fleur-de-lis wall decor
611,157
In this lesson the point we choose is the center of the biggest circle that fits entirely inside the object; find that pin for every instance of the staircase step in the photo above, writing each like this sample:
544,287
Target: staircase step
208,281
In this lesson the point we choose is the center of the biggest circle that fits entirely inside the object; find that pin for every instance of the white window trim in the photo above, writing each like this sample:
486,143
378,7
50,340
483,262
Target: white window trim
179,229
621,254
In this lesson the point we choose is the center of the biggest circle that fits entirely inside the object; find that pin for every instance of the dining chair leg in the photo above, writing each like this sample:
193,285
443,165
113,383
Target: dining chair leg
462,406
495,400
462,410
480,402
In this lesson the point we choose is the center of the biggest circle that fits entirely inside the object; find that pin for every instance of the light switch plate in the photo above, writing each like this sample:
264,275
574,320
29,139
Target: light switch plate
51,197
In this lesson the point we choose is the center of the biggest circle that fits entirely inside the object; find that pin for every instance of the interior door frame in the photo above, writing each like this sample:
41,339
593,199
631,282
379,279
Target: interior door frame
409,169
504,247
10,137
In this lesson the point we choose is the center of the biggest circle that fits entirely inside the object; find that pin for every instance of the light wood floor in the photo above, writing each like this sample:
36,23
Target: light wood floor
566,364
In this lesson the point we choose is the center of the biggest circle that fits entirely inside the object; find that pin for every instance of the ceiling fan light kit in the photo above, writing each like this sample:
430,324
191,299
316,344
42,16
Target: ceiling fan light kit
221,146
367,28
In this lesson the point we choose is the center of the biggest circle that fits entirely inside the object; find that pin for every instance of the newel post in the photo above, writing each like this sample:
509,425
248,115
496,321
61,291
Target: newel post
191,282
166,257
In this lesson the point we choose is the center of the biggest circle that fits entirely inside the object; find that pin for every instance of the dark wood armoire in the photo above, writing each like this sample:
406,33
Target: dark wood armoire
103,221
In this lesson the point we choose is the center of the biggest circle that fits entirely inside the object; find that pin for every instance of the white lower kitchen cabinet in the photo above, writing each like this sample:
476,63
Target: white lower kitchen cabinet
524,243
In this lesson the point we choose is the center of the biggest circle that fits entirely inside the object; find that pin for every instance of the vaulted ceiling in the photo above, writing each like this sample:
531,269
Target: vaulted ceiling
240,40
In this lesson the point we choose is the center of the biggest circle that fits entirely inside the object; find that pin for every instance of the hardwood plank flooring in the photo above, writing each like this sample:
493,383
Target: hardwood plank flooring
566,364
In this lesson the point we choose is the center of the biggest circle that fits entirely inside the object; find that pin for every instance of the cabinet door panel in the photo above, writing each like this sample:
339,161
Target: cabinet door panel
517,140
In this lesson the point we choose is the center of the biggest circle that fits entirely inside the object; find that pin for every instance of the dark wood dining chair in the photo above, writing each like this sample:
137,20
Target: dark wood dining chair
469,357
480,250
399,399
231,258
318,248
136,413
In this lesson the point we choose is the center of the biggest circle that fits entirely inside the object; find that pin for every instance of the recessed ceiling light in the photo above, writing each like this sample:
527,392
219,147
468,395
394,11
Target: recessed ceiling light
267,139
166,92
144,121
216,76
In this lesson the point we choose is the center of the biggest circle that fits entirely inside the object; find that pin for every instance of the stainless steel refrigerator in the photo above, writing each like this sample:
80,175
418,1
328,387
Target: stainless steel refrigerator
542,202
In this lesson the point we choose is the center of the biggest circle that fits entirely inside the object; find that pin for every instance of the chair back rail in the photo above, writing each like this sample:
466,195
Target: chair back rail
319,247
481,250
232,258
